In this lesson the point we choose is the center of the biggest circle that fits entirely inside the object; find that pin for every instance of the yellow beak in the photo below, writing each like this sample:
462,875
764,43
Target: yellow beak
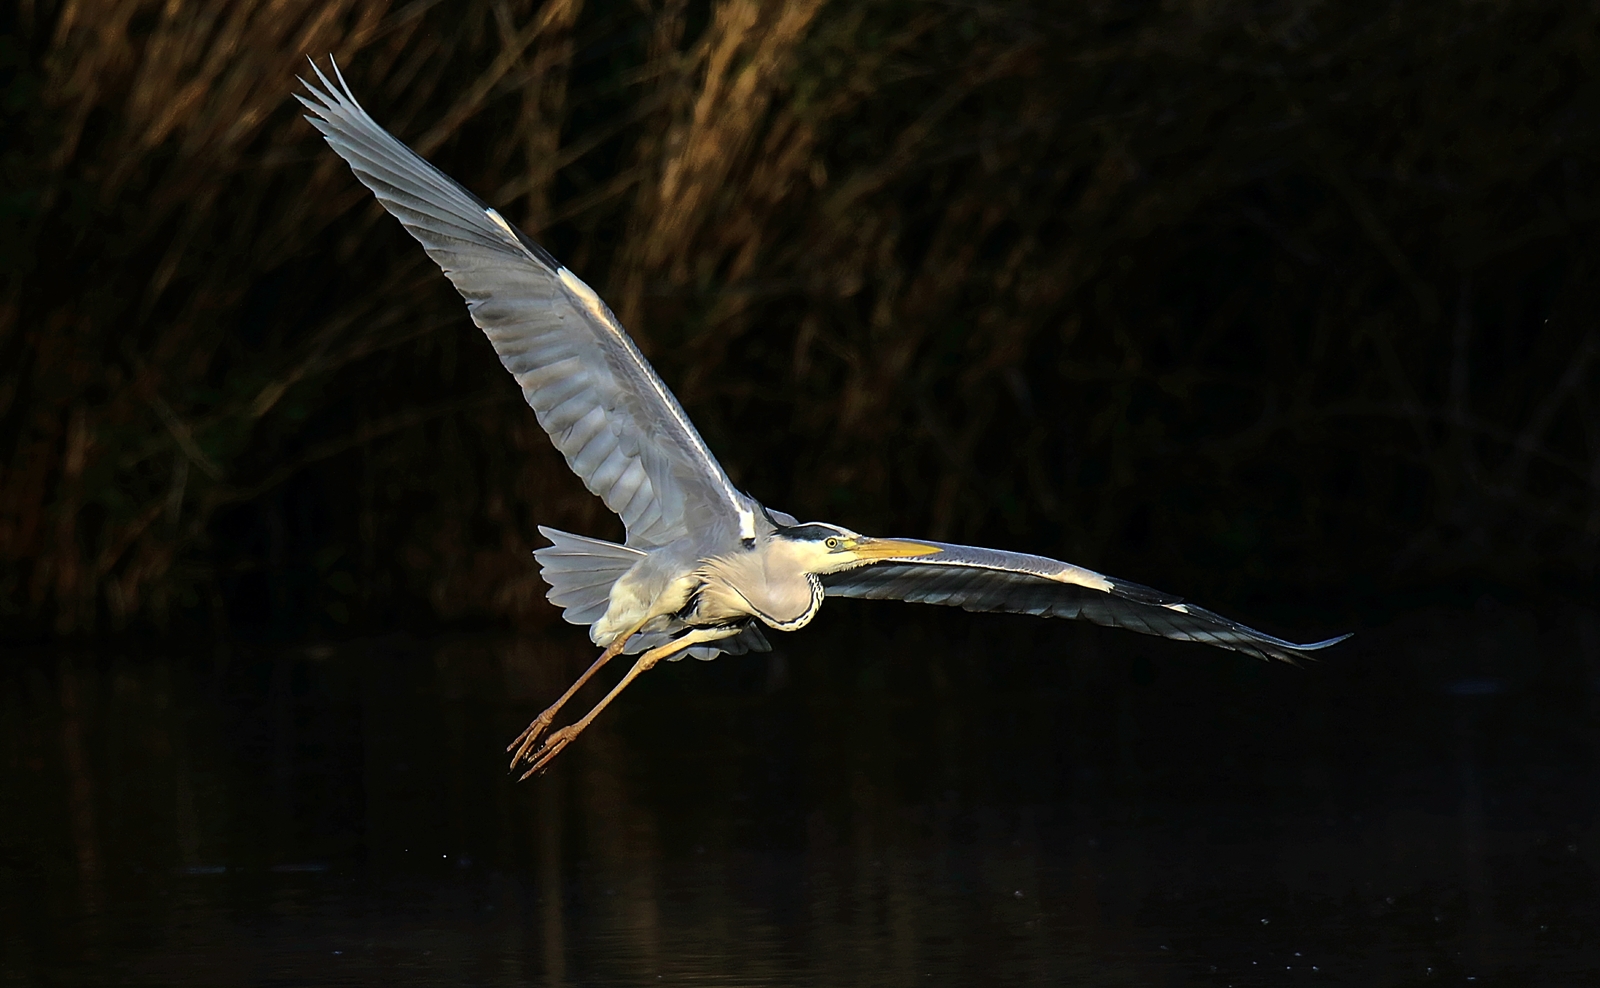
891,549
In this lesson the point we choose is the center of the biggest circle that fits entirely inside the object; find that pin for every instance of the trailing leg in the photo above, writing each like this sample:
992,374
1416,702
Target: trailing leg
558,740
524,742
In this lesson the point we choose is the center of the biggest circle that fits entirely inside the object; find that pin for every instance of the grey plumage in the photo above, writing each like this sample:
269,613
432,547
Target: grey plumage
1015,583
620,429
581,572
704,566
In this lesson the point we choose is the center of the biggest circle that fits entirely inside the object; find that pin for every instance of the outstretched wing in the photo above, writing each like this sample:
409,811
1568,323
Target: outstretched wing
991,580
621,430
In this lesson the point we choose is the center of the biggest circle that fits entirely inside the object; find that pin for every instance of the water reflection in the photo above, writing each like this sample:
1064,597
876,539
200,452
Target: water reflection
928,808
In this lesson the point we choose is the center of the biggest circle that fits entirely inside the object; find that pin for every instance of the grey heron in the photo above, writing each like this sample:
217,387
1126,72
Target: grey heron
704,566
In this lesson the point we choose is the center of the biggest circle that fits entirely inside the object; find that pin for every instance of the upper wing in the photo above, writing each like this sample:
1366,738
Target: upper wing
621,430
992,580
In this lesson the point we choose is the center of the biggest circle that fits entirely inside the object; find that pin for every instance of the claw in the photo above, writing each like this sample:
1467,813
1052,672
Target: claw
558,740
524,741
549,750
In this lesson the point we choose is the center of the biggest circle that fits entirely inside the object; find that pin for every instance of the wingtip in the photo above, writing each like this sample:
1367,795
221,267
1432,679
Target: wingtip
339,75
322,77
1298,655
1324,644
311,60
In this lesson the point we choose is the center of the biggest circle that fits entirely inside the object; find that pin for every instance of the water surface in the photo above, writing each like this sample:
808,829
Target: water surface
950,799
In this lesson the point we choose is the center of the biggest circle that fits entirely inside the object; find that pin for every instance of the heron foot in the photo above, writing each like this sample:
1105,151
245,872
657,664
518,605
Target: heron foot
557,740
540,760
524,742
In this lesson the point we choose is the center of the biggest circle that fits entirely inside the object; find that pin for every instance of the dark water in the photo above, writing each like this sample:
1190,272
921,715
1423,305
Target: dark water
951,800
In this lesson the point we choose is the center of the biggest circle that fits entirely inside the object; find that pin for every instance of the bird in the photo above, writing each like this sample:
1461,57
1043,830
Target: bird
705,568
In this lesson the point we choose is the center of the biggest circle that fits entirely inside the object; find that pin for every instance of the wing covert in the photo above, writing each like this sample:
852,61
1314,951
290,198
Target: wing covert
977,579
622,432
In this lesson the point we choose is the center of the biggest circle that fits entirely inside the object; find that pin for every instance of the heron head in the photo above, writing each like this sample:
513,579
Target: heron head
825,548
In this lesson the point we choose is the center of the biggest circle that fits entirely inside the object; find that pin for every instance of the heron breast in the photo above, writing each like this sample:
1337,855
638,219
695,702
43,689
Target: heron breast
736,589
792,609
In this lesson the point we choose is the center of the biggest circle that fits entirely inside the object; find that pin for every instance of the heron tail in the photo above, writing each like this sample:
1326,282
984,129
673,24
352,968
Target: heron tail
581,571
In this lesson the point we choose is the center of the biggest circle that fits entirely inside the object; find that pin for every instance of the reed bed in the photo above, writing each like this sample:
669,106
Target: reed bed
1238,296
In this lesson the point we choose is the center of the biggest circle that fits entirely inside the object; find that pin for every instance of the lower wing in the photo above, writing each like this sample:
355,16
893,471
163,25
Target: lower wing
1016,583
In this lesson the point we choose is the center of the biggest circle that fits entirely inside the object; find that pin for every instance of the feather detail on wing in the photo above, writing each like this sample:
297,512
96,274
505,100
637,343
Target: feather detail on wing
992,580
620,429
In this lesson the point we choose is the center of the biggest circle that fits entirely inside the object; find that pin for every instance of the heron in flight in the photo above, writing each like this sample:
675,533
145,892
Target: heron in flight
705,567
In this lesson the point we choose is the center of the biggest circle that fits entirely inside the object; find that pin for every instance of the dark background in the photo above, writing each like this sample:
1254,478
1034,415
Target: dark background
1259,302
1286,307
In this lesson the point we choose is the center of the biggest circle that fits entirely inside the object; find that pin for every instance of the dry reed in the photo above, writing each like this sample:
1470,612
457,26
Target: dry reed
1270,288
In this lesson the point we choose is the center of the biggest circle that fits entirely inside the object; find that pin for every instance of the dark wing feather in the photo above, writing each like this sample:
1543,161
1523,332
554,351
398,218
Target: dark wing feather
1012,582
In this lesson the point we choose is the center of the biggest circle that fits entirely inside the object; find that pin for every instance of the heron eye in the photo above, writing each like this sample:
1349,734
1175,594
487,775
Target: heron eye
832,543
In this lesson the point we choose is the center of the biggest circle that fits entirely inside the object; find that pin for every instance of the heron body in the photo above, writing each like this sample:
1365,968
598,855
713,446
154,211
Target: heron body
773,577
705,567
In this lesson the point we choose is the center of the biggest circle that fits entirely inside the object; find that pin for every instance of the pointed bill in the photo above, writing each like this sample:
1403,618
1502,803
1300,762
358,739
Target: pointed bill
876,549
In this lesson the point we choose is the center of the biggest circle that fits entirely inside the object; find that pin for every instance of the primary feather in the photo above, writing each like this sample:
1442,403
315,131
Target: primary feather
1017,583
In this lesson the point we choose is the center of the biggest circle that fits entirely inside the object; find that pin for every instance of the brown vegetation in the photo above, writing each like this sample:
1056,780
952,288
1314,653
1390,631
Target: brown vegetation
1210,290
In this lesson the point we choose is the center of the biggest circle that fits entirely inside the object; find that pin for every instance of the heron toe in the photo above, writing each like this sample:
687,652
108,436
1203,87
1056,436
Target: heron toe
524,741
551,748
